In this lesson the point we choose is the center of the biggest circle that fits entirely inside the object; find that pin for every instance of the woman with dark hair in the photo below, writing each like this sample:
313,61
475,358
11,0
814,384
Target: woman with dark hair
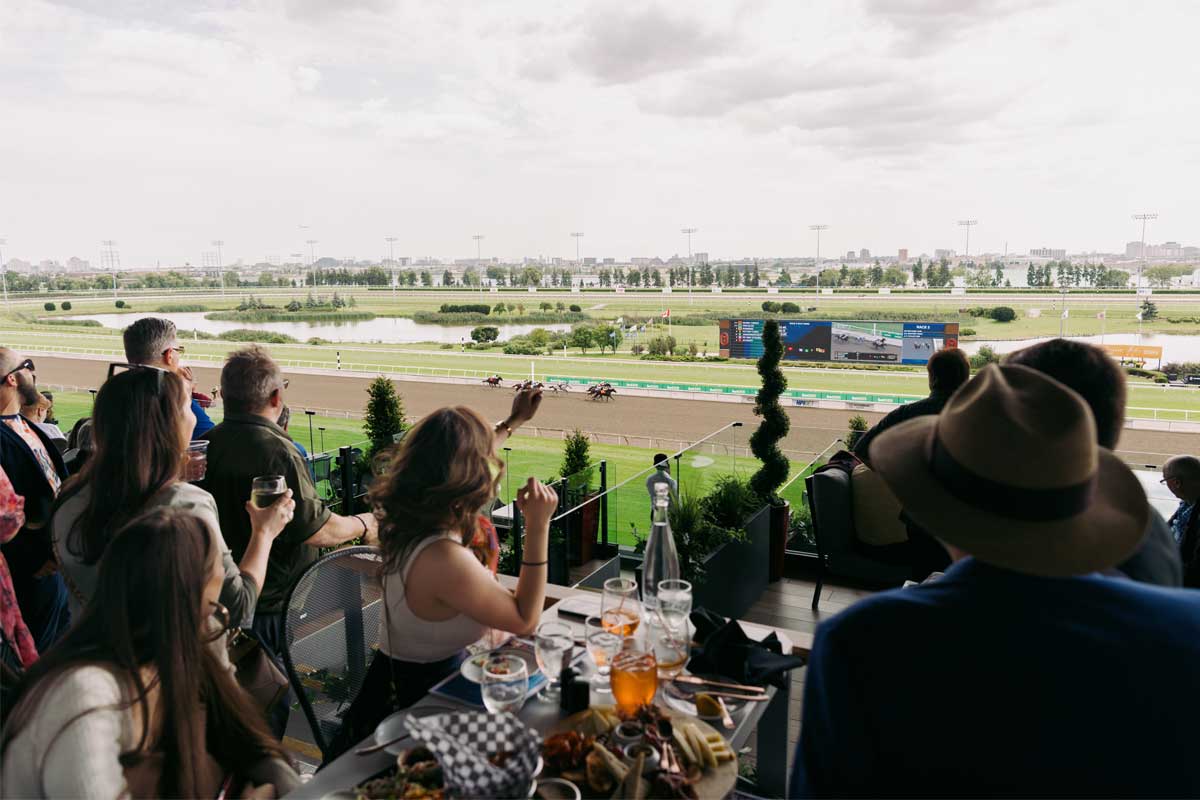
132,702
439,556
142,422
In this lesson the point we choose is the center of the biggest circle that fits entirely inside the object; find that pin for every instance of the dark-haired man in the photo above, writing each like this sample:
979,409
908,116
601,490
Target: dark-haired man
154,342
948,369
661,474
36,470
1097,378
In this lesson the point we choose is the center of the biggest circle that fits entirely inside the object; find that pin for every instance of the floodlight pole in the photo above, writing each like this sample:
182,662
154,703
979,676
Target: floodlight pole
967,223
478,237
818,229
391,240
688,232
4,272
310,415
577,235
1144,218
218,243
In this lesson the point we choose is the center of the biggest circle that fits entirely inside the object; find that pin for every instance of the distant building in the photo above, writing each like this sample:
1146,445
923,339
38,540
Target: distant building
77,265
701,257
902,255
1164,250
610,261
1048,252
849,255
864,254
589,262
943,252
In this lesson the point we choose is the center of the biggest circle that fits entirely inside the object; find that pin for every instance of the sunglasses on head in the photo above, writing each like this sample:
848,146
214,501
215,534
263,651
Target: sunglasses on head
178,348
26,364
117,369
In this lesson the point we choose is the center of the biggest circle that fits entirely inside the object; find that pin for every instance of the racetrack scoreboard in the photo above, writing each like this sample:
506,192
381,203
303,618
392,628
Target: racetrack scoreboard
850,341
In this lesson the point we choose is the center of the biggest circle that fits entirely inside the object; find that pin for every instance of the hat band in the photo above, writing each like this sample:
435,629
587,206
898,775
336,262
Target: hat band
1005,500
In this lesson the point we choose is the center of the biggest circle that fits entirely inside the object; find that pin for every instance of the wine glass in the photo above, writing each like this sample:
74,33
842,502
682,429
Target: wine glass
602,645
620,610
634,679
552,642
671,647
504,681
675,603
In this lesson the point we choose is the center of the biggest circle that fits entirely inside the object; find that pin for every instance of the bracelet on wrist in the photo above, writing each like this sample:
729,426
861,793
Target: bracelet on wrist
535,563
506,426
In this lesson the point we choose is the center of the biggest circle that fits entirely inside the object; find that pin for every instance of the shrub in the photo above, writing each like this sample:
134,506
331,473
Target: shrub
120,304
966,332
576,465
48,306
384,416
730,501
637,349
575,308
985,356
466,308
1003,314
294,306
66,306
764,442
1182,368
485,333
523,347
316,340
857,427
1149,309
251,335
771,307
790,308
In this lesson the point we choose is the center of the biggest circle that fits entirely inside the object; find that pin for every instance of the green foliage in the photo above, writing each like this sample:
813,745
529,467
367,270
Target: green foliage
48,306
575,308
485,333
316,340
576,467
1003,314
985,356
294,306
698,523
66,306
1149,309
178,308
764,442
120,304
1182,368
967,332
857,427
662,346
466,308
583,338
771,307
499,308
250,335
790,308
731,501
384,416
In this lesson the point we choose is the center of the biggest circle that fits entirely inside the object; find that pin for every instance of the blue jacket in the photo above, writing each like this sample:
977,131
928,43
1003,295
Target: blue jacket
991,682
203,423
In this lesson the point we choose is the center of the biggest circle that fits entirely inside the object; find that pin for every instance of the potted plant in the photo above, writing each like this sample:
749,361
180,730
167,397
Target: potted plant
577,471
764,443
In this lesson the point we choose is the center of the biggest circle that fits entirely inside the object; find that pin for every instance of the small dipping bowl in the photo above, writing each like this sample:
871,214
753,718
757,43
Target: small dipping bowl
632,751
628,733
556,789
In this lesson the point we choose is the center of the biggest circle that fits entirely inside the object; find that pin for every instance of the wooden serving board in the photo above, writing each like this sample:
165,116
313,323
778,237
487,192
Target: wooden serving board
714,783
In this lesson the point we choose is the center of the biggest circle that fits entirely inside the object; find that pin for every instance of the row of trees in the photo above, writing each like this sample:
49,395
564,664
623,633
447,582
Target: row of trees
1064,273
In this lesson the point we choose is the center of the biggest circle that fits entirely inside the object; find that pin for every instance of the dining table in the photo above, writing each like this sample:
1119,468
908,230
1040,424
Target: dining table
767,721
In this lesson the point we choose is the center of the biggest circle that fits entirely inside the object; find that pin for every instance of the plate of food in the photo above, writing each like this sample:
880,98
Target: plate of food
696,702
416,776
392,735
472,668
657,753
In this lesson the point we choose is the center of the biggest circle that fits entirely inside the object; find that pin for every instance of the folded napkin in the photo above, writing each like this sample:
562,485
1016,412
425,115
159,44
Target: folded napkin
726,650
462,743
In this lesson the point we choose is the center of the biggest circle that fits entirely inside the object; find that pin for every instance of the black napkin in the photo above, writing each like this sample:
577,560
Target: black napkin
726,650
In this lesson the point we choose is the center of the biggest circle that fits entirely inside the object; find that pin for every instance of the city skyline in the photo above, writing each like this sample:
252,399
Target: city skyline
287,126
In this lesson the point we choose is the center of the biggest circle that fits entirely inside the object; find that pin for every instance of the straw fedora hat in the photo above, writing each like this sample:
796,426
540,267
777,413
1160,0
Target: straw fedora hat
1011,473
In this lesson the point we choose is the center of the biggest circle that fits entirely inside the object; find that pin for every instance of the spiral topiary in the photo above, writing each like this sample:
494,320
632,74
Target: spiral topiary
764,443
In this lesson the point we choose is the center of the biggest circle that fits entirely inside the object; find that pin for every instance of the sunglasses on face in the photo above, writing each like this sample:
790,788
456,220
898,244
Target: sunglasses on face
117,369
26,364
178,348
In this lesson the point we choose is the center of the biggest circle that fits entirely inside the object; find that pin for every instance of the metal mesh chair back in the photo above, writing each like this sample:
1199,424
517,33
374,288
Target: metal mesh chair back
322,467
332,632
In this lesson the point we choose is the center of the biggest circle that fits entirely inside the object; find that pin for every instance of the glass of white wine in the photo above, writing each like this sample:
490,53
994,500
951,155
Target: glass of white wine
504,681
552,644
603,645
620,609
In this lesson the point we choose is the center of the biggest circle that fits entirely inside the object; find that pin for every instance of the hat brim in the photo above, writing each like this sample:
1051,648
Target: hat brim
1101,536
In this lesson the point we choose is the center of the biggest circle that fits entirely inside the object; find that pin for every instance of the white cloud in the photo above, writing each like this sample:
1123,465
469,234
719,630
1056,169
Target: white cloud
166,125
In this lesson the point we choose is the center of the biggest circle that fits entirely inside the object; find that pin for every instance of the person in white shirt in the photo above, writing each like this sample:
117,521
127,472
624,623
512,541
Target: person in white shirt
662,474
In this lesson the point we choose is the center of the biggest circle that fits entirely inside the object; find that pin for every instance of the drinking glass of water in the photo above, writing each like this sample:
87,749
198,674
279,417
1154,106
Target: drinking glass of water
504,681
675,604
266,489
552,642
602,645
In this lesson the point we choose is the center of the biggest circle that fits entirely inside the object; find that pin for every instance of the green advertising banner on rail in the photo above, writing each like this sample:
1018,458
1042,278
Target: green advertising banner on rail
747,391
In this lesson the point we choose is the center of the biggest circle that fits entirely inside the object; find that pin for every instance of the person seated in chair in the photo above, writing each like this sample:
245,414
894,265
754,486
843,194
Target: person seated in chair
440,557
1181,475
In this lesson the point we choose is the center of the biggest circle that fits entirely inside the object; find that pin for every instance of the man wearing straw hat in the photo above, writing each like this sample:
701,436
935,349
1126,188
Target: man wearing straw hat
1021,671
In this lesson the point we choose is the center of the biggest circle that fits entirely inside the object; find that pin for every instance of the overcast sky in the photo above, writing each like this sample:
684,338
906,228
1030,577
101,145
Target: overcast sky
165,125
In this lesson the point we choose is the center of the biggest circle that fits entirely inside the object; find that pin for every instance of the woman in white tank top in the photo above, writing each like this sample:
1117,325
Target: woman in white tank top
439,557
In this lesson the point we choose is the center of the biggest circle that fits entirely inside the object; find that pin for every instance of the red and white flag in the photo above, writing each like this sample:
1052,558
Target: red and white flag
666,314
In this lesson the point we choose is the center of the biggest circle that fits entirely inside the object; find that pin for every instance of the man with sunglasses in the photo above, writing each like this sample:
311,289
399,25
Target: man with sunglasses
36,470
154,342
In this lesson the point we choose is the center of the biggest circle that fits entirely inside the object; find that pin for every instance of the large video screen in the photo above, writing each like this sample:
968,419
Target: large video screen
855,341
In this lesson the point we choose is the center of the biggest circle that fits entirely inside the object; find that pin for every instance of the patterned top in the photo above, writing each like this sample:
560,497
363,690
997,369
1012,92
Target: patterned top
12,517
22,428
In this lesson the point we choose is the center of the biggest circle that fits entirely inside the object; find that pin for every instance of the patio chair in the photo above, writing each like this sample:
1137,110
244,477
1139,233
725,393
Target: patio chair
332,631
321,467
829,498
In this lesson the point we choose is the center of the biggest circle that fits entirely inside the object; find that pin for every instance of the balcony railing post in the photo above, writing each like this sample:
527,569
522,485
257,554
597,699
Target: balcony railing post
346,465
604,504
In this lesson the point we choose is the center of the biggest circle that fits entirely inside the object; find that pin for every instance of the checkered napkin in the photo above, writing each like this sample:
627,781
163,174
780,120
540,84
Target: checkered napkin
462,743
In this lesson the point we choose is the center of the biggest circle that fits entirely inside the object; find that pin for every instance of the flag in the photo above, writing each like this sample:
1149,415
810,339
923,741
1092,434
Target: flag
1138,316
1066,313
666,314
1102,315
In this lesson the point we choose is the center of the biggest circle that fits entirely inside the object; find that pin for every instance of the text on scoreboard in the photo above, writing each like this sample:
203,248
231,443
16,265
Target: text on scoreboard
842,341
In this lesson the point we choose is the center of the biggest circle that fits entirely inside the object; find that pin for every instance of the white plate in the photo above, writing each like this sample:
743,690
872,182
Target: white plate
681,700
393,726
472,668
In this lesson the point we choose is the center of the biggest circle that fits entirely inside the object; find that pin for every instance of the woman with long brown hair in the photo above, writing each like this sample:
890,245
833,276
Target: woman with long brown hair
439,556
132,701
142,422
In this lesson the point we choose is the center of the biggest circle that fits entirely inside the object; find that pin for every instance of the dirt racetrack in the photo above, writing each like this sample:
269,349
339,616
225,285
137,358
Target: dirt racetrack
812,429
